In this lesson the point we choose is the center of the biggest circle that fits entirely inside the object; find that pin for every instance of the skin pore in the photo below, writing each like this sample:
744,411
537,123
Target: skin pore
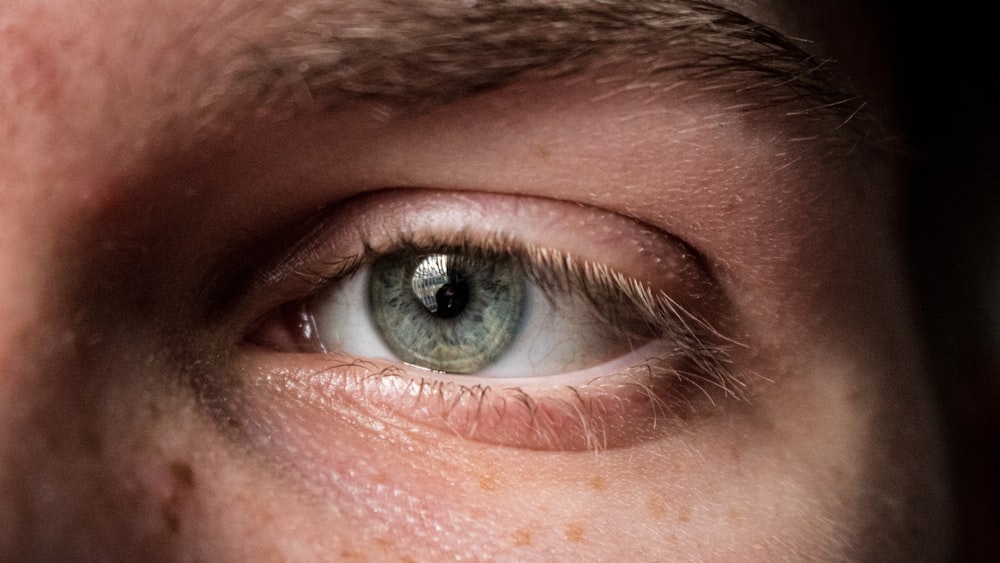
177,176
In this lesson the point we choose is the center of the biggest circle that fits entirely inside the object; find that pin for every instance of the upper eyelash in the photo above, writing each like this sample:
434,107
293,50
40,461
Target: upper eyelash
696,340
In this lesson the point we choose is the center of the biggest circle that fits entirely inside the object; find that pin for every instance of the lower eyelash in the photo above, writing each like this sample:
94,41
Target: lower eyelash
611,411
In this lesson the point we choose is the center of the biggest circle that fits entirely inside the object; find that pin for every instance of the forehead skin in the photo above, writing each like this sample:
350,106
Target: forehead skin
109,228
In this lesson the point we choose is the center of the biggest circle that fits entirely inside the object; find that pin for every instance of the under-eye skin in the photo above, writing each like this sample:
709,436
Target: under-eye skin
487,333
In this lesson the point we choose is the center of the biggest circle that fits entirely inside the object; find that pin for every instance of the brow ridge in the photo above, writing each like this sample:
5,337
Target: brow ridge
418,55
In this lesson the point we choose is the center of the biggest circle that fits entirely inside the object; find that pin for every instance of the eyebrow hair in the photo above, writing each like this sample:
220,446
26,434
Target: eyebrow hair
416,55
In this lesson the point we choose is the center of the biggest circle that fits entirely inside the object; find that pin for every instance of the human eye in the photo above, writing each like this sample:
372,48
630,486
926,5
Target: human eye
511,320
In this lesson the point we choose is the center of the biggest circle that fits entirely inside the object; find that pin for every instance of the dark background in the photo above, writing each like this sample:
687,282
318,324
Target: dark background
947,74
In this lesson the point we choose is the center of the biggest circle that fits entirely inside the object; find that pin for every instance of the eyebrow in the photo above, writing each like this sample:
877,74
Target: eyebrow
416,55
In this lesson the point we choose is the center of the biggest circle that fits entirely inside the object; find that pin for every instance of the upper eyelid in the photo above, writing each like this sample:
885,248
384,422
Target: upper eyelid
311,261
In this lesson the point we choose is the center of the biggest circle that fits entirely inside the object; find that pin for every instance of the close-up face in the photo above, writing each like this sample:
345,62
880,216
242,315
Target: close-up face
457,280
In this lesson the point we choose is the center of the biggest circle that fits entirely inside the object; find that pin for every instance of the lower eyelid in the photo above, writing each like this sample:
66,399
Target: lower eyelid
636,404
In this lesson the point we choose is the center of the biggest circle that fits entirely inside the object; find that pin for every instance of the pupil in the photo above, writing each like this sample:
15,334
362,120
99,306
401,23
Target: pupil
451,299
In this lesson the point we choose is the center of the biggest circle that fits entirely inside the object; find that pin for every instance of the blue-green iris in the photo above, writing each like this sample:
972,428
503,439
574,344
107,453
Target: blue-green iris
447,312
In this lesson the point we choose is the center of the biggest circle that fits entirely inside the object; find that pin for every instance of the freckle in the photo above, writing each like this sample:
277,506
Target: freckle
170,508
574,533
542,152
35,70
488,483
685,514
182,482
183,474
766,424
598,483
656,507
171,520
735,514
522,538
